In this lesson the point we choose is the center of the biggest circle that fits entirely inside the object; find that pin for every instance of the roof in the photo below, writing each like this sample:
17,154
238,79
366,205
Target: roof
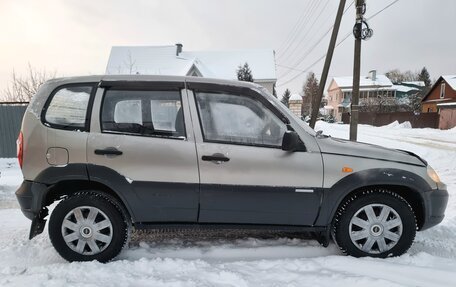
162,60
449,79
415,83
150,78
452,104
404,89
372,88
295,97
347,82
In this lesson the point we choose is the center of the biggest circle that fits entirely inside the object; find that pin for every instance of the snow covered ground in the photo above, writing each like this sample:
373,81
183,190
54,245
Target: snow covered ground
242,259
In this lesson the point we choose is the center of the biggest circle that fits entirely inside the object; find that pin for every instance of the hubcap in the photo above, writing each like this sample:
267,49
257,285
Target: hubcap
375,228
87,230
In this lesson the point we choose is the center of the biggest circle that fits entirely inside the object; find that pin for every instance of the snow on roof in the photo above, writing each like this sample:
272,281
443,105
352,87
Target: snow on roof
415,83
451,80
452,104
295,97
162,60
223,64
347,82
145,60
404,89
371,88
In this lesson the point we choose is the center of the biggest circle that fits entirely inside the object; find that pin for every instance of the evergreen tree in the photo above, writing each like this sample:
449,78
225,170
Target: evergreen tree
244,73
310,92
274,92
424,76
286,97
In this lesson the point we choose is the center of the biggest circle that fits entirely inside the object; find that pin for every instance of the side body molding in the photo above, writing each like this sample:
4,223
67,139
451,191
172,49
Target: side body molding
332,197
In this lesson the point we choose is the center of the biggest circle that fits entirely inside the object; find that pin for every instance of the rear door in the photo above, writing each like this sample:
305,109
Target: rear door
245,175
142,134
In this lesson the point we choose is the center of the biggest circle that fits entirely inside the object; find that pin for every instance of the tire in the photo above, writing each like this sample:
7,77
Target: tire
388,231
89,226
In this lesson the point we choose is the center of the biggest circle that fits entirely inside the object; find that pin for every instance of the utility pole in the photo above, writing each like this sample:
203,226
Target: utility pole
324,75
361,31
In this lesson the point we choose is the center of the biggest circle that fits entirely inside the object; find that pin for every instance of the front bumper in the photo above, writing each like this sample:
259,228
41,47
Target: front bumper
30,196
435,202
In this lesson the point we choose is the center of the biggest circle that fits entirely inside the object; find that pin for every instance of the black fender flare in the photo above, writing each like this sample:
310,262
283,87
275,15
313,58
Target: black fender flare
117,183
87,173
55,174
333,197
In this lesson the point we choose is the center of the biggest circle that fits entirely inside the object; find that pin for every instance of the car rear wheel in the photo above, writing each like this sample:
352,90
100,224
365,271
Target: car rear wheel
88,226
376,223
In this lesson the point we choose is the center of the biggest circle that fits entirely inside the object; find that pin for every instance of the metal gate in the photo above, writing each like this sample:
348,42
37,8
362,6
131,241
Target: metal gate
10,124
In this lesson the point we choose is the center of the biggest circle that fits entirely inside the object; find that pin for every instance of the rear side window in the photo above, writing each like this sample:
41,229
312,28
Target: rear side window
144,113
68,108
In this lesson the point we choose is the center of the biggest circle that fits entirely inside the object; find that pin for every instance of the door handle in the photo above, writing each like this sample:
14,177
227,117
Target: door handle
216,158
108,151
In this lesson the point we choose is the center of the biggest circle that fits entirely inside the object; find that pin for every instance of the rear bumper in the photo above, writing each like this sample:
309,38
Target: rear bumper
30,196
435,202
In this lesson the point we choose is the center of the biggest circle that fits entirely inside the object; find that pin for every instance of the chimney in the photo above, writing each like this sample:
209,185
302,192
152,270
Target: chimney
373,75
179,48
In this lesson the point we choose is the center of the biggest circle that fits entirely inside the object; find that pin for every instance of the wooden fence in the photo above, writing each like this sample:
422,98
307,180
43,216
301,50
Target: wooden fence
422,120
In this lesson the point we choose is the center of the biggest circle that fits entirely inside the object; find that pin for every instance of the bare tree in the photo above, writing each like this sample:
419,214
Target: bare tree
130,64
396,76
22,88
379,102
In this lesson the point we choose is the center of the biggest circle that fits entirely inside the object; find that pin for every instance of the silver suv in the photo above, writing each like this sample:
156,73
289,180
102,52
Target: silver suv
187,152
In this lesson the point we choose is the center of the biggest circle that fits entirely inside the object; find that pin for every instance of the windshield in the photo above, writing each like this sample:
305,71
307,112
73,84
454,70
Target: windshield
285,110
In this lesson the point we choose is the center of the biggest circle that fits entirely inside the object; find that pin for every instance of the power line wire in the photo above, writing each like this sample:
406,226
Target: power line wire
340,42
308,51
313,64
306,32
296,28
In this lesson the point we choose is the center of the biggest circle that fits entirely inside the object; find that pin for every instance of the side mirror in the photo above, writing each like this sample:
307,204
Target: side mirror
290,141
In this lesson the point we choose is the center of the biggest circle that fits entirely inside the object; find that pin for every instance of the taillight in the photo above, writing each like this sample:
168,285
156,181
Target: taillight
20,148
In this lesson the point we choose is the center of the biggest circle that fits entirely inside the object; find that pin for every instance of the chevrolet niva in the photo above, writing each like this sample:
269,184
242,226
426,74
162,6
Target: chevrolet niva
119,152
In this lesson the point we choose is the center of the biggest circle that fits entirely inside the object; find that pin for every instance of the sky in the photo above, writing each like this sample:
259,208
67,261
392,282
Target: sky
74,37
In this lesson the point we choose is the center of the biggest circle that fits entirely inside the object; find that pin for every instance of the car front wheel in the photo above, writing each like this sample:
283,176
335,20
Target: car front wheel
376,223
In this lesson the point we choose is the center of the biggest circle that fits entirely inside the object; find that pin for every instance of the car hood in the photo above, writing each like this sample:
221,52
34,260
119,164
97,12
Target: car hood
332,145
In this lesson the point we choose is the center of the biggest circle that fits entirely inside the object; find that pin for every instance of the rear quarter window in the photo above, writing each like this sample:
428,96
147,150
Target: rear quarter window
68,107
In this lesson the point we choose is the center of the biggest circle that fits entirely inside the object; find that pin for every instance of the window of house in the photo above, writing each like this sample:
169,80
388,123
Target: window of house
236,119
68,108
146,113
442,90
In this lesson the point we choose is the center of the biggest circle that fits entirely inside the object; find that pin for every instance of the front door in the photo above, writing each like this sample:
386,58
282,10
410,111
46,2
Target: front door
142,134
245,175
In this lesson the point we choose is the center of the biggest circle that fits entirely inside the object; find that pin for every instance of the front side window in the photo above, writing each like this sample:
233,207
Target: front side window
145,113
68,108
236,119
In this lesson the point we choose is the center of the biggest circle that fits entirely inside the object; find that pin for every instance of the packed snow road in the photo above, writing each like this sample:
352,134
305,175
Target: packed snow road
242,258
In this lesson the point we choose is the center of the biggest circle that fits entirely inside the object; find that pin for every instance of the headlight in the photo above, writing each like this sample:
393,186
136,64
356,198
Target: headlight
432,174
